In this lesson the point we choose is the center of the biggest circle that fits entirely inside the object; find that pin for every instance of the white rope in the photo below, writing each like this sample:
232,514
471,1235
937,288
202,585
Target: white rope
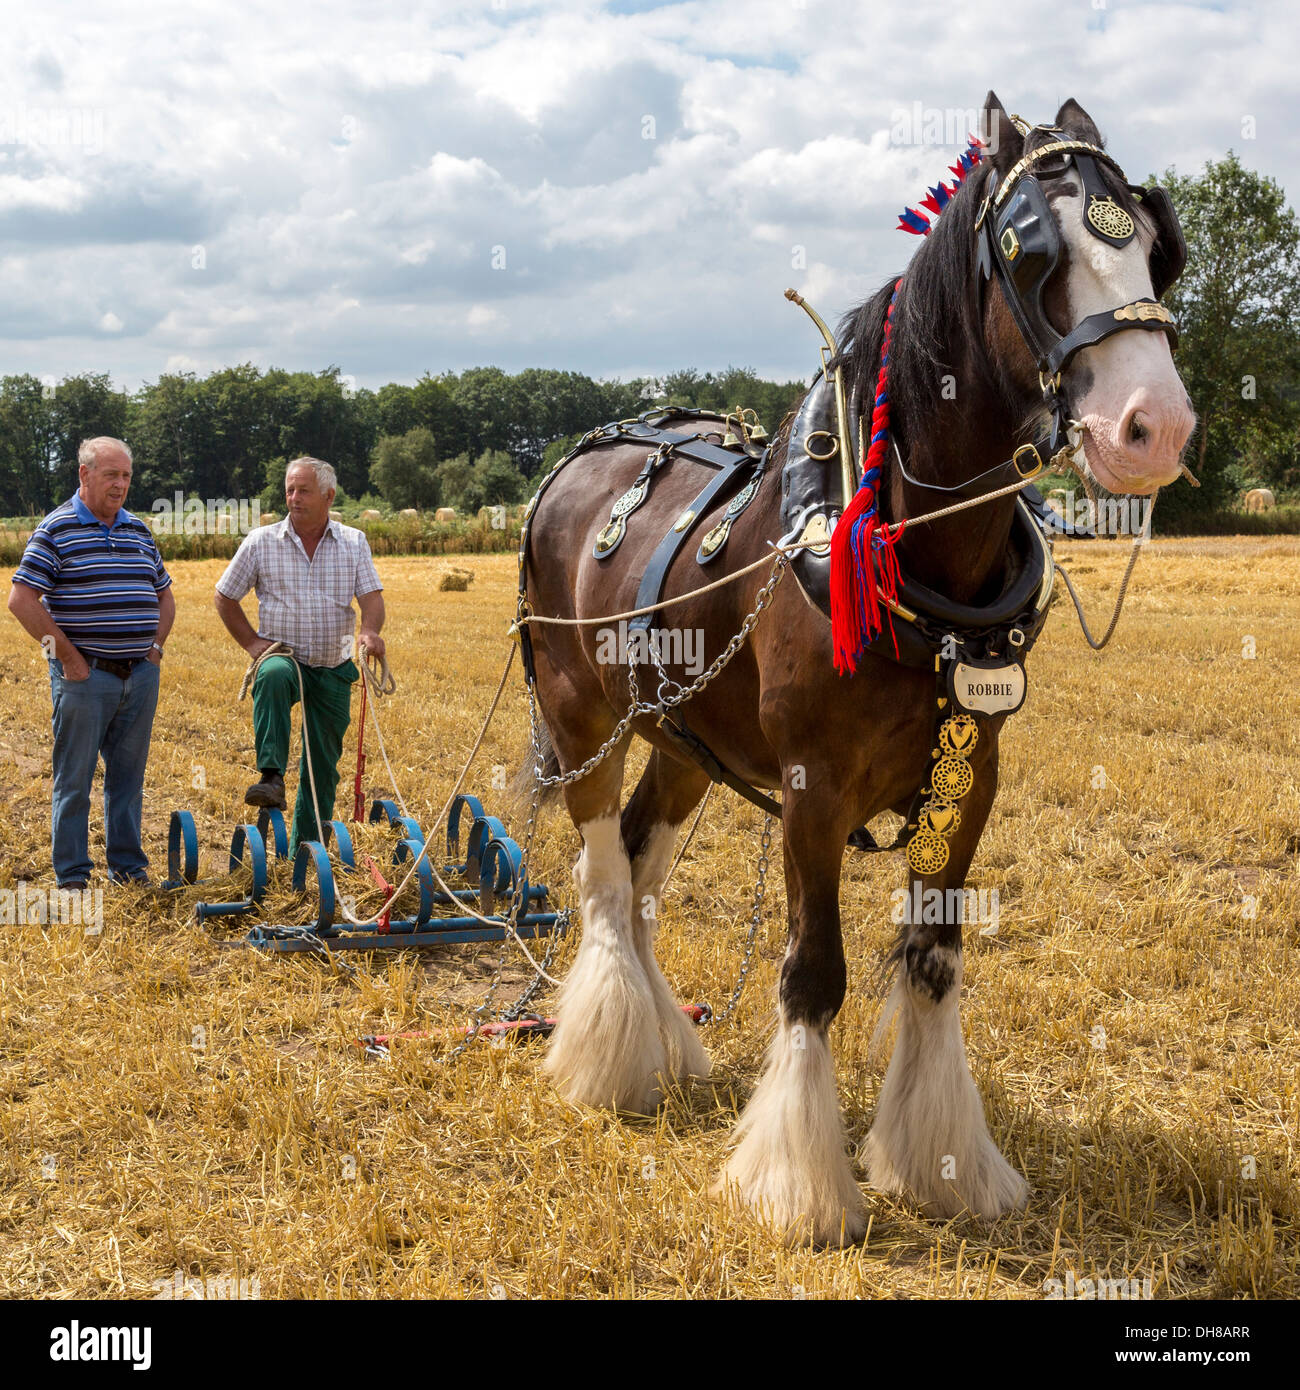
774,548
1139,541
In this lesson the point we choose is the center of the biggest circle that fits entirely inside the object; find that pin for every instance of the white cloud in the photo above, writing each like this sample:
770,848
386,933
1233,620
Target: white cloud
349,172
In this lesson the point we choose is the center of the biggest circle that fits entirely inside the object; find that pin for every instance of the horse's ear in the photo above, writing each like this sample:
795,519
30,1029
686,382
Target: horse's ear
1004,141
1074,120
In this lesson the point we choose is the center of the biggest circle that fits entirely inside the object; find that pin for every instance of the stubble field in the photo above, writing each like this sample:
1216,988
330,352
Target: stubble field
170,1109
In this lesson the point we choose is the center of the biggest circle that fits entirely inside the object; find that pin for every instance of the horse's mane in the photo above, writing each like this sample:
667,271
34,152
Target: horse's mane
938,306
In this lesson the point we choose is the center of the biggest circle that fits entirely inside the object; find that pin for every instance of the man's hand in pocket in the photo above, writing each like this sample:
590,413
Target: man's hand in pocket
76,668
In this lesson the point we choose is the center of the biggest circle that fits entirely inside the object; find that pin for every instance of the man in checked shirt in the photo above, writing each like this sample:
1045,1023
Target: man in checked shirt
306,570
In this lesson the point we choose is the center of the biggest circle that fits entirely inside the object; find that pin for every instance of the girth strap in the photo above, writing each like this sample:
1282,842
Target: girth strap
703,756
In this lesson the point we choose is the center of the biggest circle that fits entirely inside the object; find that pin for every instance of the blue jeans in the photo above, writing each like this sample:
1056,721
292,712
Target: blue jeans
101,714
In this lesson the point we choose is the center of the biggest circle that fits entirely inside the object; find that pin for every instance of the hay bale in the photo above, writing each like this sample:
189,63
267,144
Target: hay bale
370,514
336,516
409,511
456,580
1259,499
269,519
445,514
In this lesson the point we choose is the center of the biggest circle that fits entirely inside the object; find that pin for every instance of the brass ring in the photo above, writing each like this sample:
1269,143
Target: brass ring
825,434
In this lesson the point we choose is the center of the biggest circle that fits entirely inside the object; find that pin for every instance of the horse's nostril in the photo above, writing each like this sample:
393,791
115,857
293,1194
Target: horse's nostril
1137,431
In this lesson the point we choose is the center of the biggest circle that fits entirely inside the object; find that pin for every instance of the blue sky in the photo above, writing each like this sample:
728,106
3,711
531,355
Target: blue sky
618,188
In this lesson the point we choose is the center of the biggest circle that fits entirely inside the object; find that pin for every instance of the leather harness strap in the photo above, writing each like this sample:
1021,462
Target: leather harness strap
733,470
699,752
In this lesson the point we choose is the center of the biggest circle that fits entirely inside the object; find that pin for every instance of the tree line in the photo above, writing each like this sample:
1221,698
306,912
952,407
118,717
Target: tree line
484,435
469,438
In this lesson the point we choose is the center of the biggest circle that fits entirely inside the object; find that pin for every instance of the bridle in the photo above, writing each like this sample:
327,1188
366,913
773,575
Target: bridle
1020,243
1018,240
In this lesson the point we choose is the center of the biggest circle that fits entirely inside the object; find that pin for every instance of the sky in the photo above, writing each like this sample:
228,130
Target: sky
621,188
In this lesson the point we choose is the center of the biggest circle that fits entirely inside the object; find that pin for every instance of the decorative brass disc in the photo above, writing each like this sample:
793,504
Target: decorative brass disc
959,735
630,500
939,817
951,778
1110,219
927,852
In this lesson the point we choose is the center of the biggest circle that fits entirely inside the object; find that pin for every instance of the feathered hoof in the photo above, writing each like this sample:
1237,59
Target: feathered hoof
985,1185
685,1053
802,1218
609,1058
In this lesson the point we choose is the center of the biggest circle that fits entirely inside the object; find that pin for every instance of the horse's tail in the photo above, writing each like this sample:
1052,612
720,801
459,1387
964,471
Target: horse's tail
521,788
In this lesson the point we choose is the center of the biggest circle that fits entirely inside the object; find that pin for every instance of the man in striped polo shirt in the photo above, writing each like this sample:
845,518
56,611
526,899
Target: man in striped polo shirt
306,570
91,588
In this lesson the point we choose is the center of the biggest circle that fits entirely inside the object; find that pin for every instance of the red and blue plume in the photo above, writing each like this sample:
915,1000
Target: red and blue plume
937,198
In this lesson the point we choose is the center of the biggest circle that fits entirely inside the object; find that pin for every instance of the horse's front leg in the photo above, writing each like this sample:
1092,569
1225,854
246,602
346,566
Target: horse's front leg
791,1165
929,1139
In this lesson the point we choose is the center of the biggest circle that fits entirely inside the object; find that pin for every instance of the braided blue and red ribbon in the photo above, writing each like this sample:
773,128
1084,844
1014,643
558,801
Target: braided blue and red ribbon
861,540
860,535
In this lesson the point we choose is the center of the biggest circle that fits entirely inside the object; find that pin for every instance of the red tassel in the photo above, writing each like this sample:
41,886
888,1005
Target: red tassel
855,592
856,588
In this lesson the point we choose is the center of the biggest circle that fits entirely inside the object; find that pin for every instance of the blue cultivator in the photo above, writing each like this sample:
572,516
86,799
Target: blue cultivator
492,870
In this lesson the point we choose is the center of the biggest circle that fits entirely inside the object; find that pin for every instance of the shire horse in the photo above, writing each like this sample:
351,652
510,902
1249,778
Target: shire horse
966,383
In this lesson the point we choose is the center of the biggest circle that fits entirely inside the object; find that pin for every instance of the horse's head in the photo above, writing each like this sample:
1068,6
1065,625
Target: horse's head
1075,255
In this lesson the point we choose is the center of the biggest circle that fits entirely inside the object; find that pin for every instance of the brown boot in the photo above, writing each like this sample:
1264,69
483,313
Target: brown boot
268,792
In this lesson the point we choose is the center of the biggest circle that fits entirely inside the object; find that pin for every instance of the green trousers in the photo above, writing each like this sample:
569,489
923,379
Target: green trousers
325,720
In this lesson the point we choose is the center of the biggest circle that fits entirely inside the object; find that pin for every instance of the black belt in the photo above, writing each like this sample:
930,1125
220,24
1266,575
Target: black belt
120,669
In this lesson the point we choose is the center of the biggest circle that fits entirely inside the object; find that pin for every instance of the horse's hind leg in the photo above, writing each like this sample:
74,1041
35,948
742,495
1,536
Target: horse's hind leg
929,1139
606,1048
666,794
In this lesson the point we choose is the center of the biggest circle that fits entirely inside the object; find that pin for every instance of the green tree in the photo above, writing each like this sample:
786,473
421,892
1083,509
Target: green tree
492,407
496,480
404,469
395,409
164,430
455,479
28,447
1238,310
84,407
434,405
